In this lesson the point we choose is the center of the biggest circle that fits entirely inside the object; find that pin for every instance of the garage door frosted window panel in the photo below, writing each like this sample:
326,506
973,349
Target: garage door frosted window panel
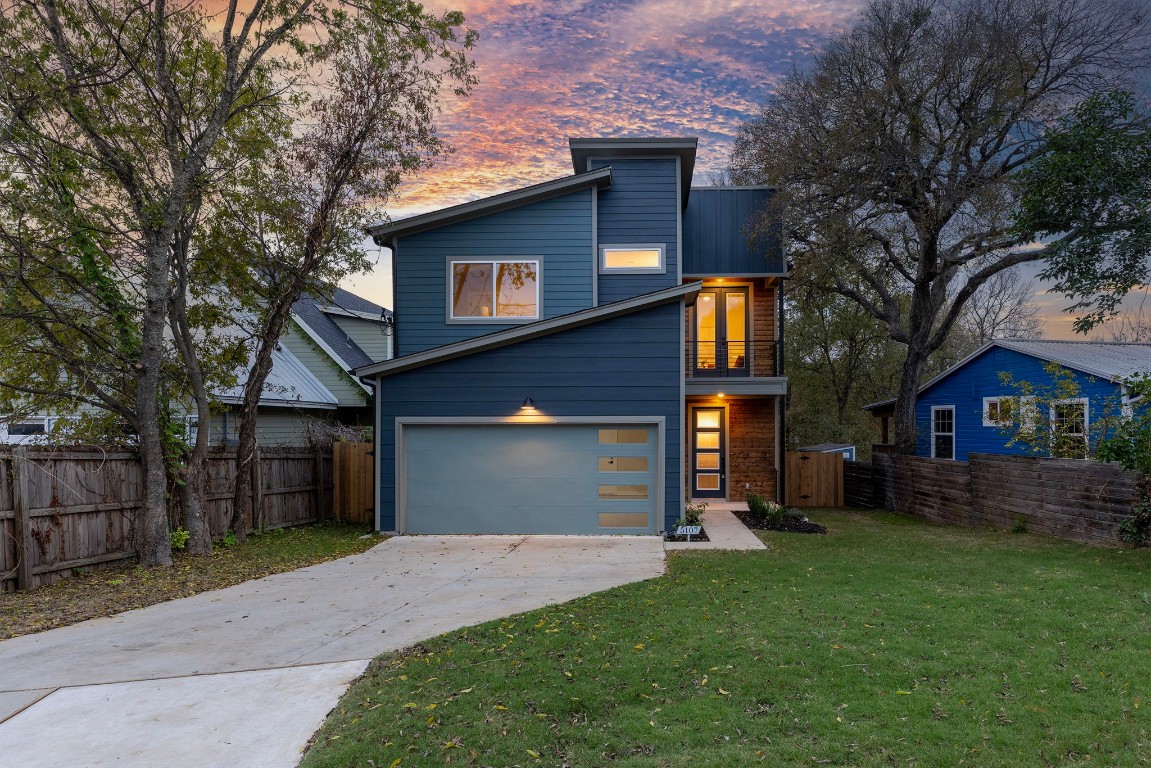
530,478
495,289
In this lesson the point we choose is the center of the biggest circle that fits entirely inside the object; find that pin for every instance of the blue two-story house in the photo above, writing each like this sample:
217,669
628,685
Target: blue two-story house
581,356
959,411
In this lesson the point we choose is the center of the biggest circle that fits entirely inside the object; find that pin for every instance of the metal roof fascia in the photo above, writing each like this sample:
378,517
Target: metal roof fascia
526,332
383,234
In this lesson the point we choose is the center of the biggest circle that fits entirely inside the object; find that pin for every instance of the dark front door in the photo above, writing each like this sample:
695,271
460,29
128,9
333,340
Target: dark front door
708,460
721,347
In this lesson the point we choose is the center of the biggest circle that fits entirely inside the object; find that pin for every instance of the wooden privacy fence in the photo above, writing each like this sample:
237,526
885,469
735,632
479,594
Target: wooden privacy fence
814,479
1081,501
353,481
63,509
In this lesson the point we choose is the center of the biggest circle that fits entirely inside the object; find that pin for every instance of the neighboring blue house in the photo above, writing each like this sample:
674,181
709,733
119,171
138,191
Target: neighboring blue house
582,355
957,411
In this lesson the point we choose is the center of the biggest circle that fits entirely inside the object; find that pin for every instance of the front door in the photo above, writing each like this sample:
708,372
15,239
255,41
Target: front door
708,464
721,347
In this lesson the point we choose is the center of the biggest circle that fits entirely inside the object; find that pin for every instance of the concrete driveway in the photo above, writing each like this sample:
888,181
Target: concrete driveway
245,675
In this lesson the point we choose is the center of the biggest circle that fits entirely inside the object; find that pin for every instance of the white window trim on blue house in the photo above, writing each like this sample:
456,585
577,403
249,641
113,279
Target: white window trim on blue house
1086,403
934,434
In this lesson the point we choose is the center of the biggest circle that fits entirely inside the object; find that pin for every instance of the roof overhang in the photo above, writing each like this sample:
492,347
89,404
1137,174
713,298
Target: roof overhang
736,386
530,331
684,148
384,234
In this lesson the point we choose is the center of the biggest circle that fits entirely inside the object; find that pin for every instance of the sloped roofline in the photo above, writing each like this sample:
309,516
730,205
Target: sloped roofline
1014,346
384,234
526,332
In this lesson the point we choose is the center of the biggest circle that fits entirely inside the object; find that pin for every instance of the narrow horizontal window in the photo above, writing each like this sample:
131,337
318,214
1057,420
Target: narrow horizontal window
623,520
495,289
707,482
31,427
623,437
623,463
707,419
632,258
707,440
707,461
623,492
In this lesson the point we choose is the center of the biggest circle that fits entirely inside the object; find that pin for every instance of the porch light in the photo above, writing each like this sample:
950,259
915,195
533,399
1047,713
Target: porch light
719,395
529,405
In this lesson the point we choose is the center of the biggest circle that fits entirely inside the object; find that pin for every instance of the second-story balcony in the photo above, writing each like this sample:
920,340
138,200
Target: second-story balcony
731,359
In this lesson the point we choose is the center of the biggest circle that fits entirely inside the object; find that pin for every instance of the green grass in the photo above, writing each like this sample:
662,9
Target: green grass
888,642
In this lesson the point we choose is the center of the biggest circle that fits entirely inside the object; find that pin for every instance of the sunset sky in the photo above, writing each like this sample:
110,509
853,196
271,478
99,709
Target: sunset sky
553,69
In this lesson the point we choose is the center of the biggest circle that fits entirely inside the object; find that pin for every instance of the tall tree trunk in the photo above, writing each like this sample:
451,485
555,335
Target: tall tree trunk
905,427
155,546
246,450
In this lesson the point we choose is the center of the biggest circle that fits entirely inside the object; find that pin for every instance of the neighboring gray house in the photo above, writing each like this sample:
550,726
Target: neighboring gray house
310,382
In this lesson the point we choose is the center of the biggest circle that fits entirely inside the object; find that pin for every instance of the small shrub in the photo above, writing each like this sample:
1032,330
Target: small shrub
693,513
1137,530
229,540
1020,526
179,538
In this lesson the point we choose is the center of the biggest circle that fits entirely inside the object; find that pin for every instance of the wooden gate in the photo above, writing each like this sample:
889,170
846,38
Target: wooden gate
353,489
814,479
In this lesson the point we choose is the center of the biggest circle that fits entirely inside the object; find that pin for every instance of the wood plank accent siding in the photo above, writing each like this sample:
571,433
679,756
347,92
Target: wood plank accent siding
1082,501
751,449
353,482
557,232
75,508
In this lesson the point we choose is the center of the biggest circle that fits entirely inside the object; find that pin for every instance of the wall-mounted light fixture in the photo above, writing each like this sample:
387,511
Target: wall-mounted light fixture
529,405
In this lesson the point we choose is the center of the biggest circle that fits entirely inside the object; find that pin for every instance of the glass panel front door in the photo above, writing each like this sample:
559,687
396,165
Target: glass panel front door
721,332
708,478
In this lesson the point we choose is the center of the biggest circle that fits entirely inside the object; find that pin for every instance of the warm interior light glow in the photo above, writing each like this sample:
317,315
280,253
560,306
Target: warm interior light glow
632,258
719,395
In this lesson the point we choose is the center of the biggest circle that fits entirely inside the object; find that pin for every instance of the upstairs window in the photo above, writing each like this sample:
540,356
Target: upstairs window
645,257
498,289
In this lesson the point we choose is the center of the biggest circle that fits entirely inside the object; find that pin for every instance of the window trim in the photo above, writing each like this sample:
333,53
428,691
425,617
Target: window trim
1086,403
606,270
953,432
987,421
494,319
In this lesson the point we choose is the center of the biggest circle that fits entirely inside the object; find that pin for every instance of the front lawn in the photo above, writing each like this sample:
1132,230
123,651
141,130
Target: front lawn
125,586
886,642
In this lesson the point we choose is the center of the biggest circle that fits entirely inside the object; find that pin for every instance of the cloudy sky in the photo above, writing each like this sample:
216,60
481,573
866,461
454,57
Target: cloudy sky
553,69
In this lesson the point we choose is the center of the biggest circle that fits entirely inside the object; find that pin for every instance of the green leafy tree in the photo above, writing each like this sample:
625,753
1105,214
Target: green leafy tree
898,153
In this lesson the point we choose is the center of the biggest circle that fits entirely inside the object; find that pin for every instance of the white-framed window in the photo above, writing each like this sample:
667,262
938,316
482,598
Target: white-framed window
30,429
490,290
1069,422
943,431
636,257
997,411
192,428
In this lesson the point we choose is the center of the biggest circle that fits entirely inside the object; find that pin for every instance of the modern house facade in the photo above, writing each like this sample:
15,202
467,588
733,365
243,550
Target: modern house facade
311,381
964,409
583,355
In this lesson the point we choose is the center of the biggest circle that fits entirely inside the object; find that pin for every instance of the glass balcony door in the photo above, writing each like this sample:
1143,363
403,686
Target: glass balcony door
721,332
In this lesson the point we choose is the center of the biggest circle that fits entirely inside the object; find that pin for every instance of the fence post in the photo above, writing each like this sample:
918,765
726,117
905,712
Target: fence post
318,470
23,523
258,490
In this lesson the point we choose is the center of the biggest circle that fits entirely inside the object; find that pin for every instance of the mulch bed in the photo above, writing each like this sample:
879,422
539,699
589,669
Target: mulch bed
789,524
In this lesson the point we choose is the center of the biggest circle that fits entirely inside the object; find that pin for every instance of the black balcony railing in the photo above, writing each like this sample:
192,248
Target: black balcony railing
731,358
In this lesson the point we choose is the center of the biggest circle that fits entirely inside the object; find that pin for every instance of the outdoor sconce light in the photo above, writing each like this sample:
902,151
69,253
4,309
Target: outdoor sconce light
529,404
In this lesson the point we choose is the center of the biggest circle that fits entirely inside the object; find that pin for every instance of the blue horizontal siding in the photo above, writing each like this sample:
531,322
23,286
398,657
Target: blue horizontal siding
556,231
596,370
718,225
642,206
966,387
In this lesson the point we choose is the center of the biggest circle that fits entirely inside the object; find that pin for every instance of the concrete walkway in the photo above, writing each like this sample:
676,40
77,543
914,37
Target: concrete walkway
243,676
724,530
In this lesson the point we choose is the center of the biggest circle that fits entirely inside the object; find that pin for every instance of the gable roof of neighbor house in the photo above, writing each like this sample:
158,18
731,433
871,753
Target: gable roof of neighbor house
383,234
314,315
529,331
289,383
1110,360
